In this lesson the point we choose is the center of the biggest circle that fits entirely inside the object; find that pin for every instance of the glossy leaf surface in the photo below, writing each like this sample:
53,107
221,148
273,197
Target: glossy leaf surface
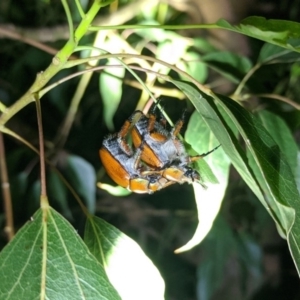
208,200
129,269
48,260
265,168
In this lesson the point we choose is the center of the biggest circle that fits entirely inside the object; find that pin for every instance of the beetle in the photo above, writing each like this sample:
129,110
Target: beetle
162,149
124,166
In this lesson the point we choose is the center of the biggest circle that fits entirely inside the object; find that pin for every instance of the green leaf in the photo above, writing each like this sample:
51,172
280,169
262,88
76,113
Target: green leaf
48,260
193,66
171,51
219,245
82,176
230,65
222,130
58,190
219,249
111,82
267,163
131,272
279,32
203,45
282,135
267,171
276,54
209,200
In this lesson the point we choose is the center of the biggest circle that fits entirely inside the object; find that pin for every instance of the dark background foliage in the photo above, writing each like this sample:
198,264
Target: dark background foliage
243,256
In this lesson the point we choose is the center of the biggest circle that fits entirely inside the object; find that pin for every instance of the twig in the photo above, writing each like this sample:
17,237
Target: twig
52,34
9,228
275,97
42,148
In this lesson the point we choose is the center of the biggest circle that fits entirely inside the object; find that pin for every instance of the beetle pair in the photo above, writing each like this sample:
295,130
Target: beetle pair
160,158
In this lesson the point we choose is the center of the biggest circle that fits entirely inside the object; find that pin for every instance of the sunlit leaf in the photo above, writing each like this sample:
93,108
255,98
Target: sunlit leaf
131,272
48,260
210,113
267,171
208,200
111,82
171,51
194,66
114,190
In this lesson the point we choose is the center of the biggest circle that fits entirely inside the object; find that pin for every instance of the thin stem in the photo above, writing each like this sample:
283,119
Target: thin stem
80,10
57,64
9,228
65,128
245,79
69,18
168,27
276,97
2,107
64,180
15,35
42,148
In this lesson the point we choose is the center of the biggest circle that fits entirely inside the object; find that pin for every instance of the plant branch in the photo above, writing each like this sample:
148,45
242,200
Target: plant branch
276,97
244,80
69,18
9,228
51,165
80,10
42,148
168,27
52,34
57,64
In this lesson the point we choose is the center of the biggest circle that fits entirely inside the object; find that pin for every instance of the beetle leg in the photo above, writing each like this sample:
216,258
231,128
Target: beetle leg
137,156
124,146
123,133
131,118
176,130
150,172
163,121
126,126
151,123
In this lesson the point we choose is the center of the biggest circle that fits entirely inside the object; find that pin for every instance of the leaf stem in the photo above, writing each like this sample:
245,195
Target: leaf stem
168,27
80,10
42,149
69,18
276,97
51,165
9,228
245,79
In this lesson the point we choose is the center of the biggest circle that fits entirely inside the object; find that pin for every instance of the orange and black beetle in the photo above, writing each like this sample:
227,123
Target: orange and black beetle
124,166
162,150
161,147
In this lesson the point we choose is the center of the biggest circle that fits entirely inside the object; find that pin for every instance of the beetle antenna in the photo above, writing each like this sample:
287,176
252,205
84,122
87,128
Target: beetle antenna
196,157
156,105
